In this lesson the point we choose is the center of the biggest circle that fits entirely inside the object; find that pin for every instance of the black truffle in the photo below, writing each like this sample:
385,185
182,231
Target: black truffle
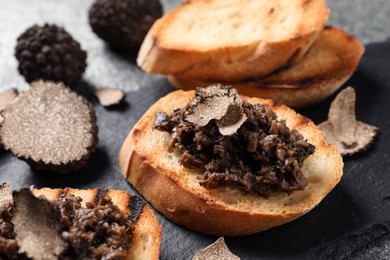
50,127
49,52
124,23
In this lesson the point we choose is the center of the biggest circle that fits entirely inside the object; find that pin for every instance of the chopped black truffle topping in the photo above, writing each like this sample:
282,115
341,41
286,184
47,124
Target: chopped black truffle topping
262,155
124,23
49,52
35,228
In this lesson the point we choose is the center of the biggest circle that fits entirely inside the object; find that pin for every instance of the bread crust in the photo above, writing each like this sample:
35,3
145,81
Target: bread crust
147,233
231,61
174,190
330,62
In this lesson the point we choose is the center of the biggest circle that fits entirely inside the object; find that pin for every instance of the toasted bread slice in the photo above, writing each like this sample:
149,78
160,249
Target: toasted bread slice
330,62
175,191
147,231
231,39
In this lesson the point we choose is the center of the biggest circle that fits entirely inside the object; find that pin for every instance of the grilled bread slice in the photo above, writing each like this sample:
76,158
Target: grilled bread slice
330,62
231,39
154,170
147,233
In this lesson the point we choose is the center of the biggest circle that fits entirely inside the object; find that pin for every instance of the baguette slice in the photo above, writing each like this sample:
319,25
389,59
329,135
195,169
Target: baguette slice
330,62
147,232
231,39
175,191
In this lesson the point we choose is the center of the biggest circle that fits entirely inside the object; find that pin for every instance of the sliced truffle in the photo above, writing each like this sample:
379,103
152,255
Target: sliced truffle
5,195
37,226
51,127
109,96
342,129
124,23
7,97
217,250
220,103
49,52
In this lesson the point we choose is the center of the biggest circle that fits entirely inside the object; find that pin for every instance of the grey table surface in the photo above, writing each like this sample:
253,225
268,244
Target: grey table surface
368,20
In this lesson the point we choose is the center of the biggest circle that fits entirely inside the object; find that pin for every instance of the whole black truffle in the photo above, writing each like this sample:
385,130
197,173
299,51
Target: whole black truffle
124,23
49,52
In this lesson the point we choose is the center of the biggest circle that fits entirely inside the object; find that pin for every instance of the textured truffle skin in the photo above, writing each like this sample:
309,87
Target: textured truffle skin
124,23
49,52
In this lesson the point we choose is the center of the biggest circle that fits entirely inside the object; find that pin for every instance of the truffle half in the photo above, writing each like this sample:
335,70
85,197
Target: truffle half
50,127
49,52
124,23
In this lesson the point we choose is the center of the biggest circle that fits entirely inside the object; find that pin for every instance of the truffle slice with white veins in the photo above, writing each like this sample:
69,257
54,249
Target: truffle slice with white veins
217,250
37,226
109,96
342,129
50,127
7,97
222,104
5,195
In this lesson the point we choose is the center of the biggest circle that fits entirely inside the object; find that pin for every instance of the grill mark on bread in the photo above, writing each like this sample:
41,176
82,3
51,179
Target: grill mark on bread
271,11
100,192
136,132
136,205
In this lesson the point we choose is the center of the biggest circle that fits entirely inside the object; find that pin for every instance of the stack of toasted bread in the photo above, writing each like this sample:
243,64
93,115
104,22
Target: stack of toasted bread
270,49
266,49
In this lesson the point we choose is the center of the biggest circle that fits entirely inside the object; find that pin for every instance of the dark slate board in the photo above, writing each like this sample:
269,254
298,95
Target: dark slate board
353,221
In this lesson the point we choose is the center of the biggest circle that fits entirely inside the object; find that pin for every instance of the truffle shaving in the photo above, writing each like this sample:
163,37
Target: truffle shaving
109,96
222,104
217,250
7,97
37,226
342,129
